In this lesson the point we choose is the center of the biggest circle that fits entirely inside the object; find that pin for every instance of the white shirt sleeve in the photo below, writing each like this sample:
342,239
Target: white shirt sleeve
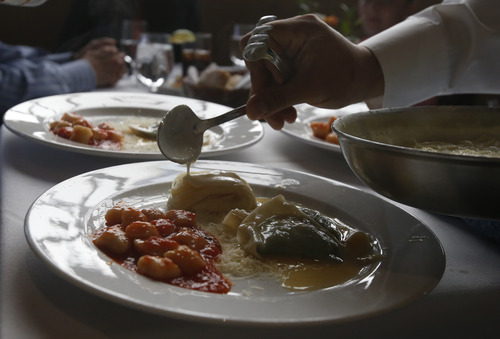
450,48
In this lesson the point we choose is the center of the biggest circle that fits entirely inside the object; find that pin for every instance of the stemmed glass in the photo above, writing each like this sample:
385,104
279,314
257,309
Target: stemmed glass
129,38
154,60
239,30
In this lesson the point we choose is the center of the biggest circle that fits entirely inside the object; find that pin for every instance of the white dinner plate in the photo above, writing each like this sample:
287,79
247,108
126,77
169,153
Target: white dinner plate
306,114
59,226
31,120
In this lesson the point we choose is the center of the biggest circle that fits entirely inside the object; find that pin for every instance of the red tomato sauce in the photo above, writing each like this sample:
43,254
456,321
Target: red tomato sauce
130,234
74,127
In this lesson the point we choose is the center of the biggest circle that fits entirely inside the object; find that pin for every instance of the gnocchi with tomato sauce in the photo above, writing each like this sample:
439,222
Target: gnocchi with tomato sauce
75,128
168,247
323,130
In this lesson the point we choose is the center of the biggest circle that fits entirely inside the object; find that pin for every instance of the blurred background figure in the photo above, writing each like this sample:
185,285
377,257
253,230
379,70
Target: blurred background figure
87,20
91,19
378,15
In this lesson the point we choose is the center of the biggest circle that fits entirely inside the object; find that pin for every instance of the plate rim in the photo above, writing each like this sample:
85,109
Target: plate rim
307,113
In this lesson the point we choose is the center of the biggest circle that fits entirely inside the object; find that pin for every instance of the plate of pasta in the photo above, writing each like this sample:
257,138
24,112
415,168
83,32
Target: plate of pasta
102,231
99,123
313,125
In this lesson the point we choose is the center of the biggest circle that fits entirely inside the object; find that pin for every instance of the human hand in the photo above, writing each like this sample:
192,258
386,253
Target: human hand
107,62
93,45
327,70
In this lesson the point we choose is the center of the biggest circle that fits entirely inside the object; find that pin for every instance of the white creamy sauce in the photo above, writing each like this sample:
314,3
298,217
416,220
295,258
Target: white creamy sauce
486,146
134,143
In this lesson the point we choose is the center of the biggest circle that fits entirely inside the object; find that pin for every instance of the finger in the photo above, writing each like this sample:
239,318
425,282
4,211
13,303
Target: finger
96,43
290,115
108,50
277,121
244,40
259,74
275,124
271,100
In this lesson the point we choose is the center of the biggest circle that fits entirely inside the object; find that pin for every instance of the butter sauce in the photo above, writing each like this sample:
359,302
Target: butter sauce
309,275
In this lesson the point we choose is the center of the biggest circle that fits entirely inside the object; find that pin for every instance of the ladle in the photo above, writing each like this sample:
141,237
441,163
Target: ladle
180,132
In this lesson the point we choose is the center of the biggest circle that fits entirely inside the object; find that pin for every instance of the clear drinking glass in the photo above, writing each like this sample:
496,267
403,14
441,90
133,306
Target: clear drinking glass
129,38
154,60
239,30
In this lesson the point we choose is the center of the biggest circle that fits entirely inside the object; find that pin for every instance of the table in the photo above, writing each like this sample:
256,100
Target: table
36,303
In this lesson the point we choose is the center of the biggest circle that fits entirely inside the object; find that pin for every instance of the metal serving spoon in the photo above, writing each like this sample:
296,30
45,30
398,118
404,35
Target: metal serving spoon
180,132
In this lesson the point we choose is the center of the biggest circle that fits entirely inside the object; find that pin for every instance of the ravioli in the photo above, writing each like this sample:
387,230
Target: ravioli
279,228
212,192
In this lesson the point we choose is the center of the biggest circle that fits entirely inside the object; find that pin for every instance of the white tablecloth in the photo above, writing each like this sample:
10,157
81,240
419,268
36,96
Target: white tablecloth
36,303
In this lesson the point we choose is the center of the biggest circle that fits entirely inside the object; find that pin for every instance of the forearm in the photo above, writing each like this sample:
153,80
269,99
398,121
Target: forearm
369,78
20,82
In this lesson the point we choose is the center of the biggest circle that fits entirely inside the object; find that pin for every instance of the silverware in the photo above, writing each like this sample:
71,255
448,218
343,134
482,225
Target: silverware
146,132
180,132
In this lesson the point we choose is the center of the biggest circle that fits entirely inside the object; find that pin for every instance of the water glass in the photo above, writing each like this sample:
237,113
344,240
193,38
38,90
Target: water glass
131,32
239,30
154,60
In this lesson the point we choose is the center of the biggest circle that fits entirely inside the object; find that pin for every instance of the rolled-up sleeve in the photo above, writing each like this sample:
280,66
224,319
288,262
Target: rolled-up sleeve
449,48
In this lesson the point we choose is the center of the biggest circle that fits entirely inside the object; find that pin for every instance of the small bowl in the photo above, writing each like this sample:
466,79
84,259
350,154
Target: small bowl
376,146
217,94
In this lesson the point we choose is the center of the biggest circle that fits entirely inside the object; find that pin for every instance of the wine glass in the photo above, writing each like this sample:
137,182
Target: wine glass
154,60
239,30
129,38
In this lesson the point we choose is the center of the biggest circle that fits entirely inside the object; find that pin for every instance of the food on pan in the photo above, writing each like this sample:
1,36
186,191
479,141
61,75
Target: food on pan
75,128
215,230
487,146
323,130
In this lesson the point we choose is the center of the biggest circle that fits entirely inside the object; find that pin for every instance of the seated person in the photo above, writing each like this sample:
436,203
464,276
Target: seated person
29,72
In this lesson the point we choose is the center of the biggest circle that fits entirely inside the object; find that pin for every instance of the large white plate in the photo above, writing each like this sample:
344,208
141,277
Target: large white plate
306,114
60,223
31,120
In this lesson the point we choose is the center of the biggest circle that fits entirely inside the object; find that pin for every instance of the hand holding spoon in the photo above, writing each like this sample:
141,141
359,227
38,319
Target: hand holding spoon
180,132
